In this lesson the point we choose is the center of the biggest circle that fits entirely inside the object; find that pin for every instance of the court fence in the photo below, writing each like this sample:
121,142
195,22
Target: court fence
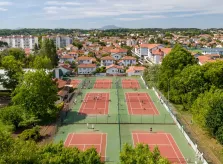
81,118
199,155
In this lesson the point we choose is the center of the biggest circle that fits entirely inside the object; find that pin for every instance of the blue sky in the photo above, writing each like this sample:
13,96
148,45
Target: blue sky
88,14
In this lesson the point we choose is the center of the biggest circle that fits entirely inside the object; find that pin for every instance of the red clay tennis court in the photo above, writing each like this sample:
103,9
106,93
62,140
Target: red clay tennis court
75,83
95,103
140,103
130,83
103,84
84,141
164,141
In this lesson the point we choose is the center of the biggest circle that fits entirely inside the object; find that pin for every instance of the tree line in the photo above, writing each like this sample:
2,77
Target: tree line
199,89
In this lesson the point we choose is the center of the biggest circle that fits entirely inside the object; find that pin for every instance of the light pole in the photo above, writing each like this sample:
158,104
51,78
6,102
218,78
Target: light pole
168,90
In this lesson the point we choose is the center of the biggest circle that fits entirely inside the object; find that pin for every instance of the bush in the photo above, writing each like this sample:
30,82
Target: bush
219,135
31,134
60,106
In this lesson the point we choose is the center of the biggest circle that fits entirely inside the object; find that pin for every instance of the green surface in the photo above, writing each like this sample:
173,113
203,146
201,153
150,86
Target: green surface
118,124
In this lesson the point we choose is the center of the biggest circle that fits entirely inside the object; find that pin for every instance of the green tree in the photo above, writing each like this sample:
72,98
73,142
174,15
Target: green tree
187,85
48,49
151,75
18,53
13,72
141,154
12,115
207,109
172,65
37,93
42,62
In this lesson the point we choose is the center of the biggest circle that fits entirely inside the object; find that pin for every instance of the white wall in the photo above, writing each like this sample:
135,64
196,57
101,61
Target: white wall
85,71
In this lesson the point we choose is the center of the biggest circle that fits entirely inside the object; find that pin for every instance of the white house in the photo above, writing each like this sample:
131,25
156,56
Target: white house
144,50
107,60
85,60
86,69
157,55
66,58
114,69
127,61
118,53
135,71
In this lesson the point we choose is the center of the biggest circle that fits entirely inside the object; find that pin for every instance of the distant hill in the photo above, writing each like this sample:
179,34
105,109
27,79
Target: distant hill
109,27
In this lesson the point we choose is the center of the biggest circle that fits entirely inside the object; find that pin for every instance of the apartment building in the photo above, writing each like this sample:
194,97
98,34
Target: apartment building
61,41
20,41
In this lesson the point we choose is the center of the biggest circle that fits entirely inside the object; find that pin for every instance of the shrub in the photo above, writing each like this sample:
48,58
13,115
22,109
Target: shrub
31,134
219,135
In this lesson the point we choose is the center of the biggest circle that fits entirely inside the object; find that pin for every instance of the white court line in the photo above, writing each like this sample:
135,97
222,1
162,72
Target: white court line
137,138
173,148
85,146
140,103
177,146
71,139
130,105
83,104
152,104
101,144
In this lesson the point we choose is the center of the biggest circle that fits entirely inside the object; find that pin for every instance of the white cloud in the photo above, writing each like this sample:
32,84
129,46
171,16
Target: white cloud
5,3
126,8
3,9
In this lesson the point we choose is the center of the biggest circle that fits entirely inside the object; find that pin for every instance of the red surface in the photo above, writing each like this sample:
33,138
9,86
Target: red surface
103,84
75,83
140,103
130,83
95,103
165,142
84,141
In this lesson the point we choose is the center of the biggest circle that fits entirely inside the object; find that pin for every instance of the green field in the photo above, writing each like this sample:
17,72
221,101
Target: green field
118,124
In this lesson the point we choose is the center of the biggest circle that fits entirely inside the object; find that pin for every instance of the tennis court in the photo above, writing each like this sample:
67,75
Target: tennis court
164,141
130,84
103,84
84,141
95,103
140,103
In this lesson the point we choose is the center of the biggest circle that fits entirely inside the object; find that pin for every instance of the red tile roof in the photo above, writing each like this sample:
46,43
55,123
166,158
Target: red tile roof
87,66
86,58
135,68
205,59
118,50
150,46
67,57
114,66
107,58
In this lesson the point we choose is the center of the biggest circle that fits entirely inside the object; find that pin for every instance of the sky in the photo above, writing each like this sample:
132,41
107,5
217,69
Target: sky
87,14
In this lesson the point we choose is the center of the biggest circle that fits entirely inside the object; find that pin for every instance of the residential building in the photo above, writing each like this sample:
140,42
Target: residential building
20,41
60,41
85,60
127,61
135,71
107,61
66,58
114,69
86,69
118,53
208,58
145,50
131,42
156,56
